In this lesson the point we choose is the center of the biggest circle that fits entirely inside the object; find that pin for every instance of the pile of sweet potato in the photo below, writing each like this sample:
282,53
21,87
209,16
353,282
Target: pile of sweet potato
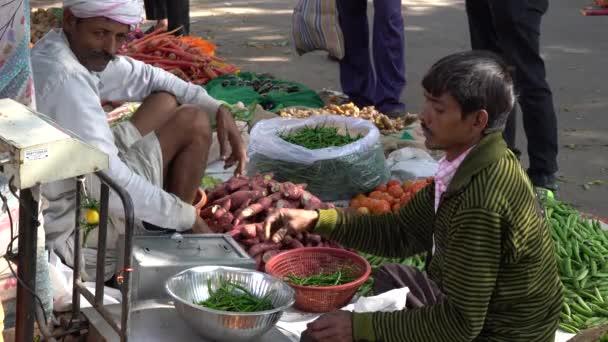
240,205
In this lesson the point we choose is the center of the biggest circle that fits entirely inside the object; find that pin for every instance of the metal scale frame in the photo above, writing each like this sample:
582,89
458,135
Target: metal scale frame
34,150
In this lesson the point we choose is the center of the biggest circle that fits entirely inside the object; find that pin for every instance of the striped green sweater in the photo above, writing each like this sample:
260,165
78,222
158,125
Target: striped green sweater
494,257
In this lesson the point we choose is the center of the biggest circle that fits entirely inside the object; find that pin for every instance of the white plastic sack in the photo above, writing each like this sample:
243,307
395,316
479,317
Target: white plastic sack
393,300
333,173
265,140
411,163
61,280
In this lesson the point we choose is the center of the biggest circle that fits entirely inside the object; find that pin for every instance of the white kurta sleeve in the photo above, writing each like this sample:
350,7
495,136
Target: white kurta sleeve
126,79
76,107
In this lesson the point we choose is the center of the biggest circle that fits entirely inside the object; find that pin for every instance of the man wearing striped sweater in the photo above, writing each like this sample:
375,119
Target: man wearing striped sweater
491,274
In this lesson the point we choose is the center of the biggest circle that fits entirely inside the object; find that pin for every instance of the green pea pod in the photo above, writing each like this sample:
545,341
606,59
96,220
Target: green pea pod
579,319
568,328
568,267
582,274
583,304
588,251
598,294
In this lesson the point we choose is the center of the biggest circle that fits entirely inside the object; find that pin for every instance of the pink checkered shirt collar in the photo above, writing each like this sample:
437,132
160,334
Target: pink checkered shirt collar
446,171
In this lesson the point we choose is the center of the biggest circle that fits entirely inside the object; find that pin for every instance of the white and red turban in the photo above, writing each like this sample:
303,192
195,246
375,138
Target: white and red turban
127,12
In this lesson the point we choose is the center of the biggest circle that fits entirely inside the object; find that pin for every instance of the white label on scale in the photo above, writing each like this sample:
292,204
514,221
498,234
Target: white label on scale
37,154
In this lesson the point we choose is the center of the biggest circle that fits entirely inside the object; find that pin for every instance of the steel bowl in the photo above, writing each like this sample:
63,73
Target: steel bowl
191,285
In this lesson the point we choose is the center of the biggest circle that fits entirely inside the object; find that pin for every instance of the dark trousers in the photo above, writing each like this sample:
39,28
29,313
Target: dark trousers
177,12
423,291
512,29
357,77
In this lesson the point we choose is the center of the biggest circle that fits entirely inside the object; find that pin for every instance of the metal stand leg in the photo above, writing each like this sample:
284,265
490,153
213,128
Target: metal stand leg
28,234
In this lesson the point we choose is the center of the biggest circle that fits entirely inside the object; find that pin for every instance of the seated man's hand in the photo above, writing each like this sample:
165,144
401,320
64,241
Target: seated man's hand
228,134
335,326
294,219
200,227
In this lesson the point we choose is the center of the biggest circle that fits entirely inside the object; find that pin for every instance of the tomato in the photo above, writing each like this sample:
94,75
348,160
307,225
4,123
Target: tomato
395,191
363,210
396,207
355,203
377,195
392,183
406,197
407,183
381,187
382,207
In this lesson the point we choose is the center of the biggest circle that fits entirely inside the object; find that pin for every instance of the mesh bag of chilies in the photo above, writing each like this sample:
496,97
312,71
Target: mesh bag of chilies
332,173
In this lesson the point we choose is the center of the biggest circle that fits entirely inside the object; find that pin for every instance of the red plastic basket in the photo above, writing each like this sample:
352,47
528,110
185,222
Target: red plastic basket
304,262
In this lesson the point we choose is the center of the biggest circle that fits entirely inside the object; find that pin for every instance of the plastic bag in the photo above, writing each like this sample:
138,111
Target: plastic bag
333,173
315,26
411,163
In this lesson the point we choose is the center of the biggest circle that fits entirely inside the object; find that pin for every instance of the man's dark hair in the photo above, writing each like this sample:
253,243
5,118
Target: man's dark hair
477,80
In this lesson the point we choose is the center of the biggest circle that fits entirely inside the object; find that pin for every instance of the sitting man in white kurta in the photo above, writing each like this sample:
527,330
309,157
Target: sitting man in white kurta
159,156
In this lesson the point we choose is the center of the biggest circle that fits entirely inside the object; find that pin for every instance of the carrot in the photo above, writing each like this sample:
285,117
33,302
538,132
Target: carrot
276,196
239,197
208,211
287,240
185,55
261,248
218,192
140,56
279,235
295,244
310,201
258,262
250,242
238,212
225,220
234,233
316,238
280,204
209,71
199,81
269,254
235,183
256,208
248,231
260,231
151,37
175,63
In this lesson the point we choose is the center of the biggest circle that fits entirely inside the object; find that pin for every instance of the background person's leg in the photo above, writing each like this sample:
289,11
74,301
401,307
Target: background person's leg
178,13
156,10
389,56
356,74
518,24
483,37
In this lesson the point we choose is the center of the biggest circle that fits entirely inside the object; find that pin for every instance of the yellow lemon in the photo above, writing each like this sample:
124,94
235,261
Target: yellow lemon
91,216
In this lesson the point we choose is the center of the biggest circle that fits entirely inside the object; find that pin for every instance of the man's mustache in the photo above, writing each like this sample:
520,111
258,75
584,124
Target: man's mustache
426,129
101,55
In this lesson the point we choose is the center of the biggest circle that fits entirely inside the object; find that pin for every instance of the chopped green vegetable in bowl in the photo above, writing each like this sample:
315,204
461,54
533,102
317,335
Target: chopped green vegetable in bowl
235,298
